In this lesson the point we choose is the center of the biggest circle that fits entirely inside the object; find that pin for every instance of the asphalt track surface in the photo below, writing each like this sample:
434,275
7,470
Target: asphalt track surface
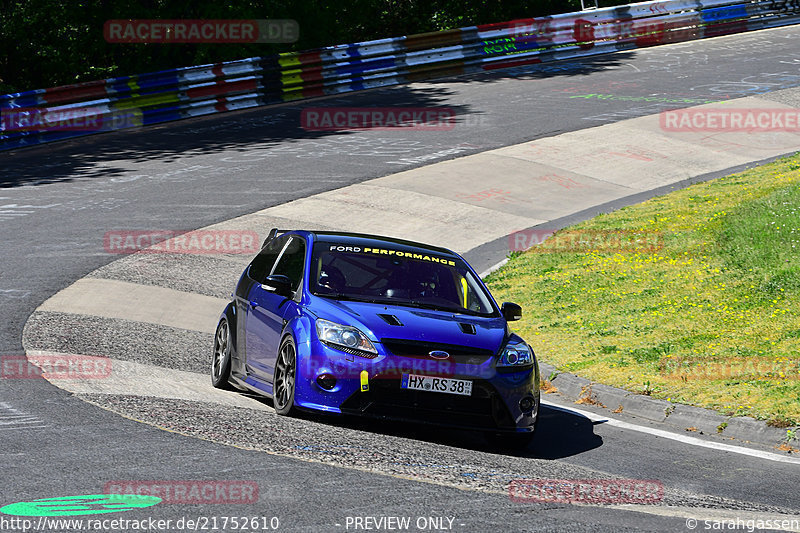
58,201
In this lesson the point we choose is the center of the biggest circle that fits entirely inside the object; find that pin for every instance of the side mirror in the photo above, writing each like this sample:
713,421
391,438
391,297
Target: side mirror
279,284
511,311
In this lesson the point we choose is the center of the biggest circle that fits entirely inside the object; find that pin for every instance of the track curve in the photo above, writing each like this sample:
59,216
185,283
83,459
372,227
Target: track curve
164,178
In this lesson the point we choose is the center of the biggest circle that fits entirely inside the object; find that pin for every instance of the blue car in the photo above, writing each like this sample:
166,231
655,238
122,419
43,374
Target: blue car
363,325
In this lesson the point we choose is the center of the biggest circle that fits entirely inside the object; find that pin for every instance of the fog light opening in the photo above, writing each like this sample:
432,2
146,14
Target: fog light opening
326,381
526,404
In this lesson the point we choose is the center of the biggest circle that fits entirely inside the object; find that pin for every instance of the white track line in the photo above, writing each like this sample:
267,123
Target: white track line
686,439
493,268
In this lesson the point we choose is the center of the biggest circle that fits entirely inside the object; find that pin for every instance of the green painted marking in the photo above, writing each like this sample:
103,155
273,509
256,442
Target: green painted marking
80,505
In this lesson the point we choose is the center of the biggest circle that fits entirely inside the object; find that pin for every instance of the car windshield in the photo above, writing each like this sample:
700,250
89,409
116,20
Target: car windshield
414,278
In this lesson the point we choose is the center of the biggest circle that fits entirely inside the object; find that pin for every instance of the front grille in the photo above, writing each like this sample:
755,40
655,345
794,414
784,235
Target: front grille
385,399
420,350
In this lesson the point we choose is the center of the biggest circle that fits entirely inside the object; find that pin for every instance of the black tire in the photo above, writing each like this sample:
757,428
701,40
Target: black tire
221,358
283,380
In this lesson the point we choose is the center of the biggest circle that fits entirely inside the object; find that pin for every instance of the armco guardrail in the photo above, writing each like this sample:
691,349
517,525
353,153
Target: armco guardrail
45,115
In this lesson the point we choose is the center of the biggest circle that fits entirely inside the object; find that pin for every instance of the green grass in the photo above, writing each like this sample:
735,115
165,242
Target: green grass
709,317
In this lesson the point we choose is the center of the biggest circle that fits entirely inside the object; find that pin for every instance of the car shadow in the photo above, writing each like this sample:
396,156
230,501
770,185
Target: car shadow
559,434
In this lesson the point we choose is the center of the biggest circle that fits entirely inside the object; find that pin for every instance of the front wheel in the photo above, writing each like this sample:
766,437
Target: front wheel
284,378
221,359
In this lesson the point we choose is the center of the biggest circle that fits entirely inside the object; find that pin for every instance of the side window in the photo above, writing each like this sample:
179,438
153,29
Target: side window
263,263
292,261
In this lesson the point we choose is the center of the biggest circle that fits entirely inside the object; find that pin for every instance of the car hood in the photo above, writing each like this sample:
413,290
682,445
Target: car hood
422,325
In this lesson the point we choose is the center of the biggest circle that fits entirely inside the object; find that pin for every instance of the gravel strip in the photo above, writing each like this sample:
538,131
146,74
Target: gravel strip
137,342
786,96
202,274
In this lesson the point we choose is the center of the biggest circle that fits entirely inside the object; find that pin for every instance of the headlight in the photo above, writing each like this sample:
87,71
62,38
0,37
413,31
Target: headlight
343,336
515,355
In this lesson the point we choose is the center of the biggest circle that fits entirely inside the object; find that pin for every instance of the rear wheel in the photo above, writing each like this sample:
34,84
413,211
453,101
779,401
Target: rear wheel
221,359
284,379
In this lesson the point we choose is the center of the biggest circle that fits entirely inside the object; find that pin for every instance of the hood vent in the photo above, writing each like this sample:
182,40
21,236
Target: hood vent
391,320
469,329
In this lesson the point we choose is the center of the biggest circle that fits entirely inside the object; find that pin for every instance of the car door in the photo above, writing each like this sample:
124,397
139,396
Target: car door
265,319
257,273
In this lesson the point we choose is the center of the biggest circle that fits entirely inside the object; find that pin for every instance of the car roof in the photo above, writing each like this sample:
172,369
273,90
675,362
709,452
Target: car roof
367,240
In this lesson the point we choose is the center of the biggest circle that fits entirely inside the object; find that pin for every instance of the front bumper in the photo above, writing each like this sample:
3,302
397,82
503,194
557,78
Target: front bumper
493,405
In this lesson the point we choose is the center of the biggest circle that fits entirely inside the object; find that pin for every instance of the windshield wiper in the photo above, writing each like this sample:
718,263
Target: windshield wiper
435,307
351,297
331,295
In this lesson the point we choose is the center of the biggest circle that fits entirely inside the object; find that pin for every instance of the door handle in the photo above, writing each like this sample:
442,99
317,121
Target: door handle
253,304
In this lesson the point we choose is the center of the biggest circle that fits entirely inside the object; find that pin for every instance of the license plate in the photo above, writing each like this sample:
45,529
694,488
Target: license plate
462,387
